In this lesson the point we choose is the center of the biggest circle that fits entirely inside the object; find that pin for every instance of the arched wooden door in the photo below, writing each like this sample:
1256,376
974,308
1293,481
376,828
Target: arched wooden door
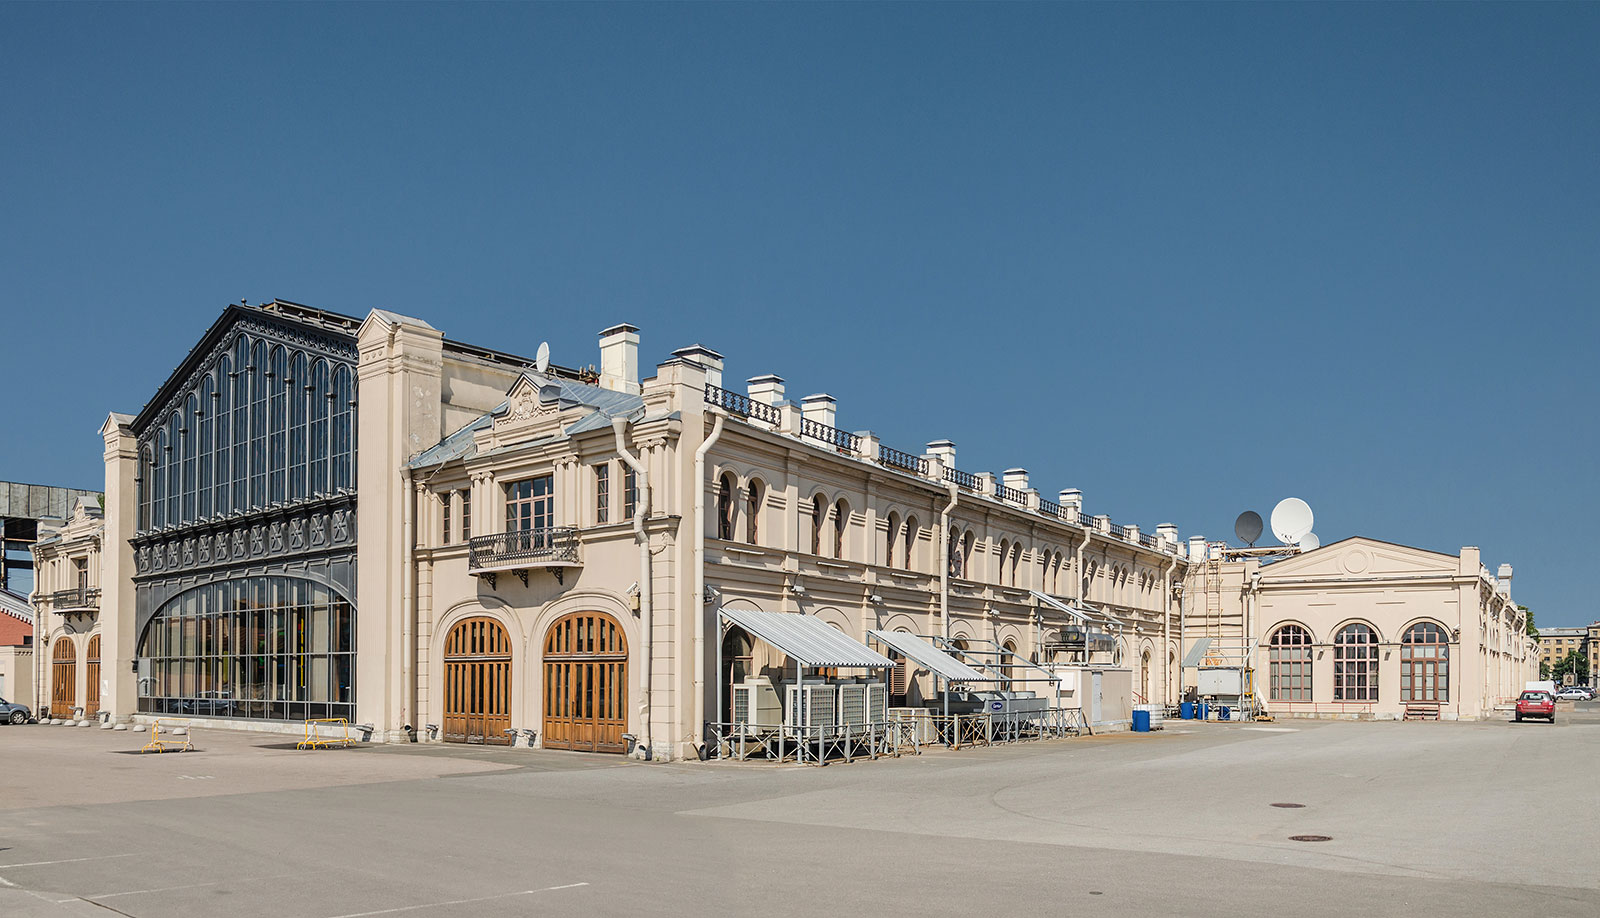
91,677
477,683
63,677
585,683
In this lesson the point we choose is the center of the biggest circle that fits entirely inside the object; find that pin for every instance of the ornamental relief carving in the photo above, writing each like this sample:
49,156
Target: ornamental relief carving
297,532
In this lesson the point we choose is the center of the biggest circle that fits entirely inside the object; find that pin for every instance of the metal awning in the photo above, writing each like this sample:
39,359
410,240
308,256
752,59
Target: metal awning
810,640
929,657
1197,652
1087,616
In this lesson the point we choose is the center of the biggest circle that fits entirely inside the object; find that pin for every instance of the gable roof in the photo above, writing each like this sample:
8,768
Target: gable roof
15,606
1361,556
605,404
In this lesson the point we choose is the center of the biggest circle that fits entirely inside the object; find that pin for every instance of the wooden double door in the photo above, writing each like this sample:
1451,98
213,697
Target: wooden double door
477,683
585,684
63,677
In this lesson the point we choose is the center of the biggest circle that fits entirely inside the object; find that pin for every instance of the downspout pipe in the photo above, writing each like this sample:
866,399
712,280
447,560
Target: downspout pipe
697,601
411,495
619,427
1083,565
944,559
1166,634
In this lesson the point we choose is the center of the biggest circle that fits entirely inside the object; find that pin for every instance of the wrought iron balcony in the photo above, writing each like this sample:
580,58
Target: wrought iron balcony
554,547
82,598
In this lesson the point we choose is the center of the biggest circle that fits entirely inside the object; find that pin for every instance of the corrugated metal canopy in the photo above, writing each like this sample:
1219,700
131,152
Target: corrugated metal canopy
929,657
1197,652
1079,612
809,640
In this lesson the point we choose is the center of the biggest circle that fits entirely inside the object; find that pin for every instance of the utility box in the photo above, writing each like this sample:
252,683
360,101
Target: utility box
1221,682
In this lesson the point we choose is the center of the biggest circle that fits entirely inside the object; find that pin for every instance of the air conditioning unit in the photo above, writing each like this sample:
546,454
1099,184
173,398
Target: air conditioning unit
756,705
877,702
813,705
852,704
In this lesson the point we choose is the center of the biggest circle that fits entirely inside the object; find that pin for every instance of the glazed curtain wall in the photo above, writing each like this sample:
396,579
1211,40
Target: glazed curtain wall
267,648
268,424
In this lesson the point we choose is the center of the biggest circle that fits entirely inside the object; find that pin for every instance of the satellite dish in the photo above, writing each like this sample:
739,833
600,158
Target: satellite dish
542,361
1291,520
1310,542
1248,527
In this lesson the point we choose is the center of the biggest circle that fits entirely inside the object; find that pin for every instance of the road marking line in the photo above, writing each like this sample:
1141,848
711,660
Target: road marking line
70,860
140,892
6,882
412,908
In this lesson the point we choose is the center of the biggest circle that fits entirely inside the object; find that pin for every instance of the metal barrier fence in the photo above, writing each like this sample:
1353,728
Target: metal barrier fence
808,745
987,729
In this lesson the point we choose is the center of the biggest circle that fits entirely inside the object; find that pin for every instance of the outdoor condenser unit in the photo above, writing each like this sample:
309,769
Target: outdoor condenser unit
852,704
877,702
813,705
755,704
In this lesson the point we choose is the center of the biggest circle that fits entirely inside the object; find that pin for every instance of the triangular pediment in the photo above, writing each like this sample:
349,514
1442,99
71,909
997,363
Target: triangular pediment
1358,557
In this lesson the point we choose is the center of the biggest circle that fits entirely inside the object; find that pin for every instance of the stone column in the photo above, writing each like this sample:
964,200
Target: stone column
119,641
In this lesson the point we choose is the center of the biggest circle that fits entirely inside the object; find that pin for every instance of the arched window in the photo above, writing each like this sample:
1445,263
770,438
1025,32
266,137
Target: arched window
203,450
1289,664
954,550
174,469
317,397
187,431
1000,567
294,389
841,524
1355,663
819,514
910,543
1016,562
1144,676
725,507
1010,656
1425,663
891,537
277,413
752,518
968,540
257,371
147,486
239,496
343,421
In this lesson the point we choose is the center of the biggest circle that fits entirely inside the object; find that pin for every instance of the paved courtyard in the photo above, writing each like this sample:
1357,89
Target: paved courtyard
1423,818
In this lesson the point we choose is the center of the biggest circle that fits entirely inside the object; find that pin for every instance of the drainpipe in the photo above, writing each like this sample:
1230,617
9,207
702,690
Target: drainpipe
1166,634
698,600
408,593
618,426
1082,591
944,559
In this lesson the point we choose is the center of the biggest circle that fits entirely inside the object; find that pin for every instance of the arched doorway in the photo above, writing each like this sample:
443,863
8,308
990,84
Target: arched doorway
91,677
477,683
1425,664
585,683
63,678
1144,677
738,664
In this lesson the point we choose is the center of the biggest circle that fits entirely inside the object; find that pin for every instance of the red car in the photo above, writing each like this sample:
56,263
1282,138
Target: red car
1536,704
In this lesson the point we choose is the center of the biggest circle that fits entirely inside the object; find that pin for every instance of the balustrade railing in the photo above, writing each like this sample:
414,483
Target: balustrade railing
966,481
533,546
740,404
906,462
83,598
833,436
1011,495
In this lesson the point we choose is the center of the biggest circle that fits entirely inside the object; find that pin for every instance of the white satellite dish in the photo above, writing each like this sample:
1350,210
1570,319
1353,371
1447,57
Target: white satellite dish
1291,520
1310,542
541,361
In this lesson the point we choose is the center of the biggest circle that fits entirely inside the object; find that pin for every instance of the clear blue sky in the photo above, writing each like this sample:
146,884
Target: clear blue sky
1190,259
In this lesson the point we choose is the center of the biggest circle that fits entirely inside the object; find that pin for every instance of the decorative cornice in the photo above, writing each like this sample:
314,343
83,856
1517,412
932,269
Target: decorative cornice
301,529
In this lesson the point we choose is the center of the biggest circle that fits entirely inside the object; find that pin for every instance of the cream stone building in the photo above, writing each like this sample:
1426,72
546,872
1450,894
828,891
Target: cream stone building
1360,628
68,677
318,516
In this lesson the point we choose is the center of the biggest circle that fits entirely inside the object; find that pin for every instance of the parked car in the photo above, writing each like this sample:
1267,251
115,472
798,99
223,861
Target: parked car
1576,693
14,713
1536,704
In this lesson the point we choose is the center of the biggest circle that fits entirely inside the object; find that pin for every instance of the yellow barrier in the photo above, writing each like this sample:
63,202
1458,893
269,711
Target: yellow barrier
157,744
315,740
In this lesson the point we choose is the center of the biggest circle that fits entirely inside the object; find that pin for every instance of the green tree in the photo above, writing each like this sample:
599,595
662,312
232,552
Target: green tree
1544,670
1575,663
1532,631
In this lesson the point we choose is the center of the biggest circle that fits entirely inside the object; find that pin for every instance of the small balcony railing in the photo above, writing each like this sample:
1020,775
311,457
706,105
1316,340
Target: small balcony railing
840,440
82,598
899,459
555,547
741,405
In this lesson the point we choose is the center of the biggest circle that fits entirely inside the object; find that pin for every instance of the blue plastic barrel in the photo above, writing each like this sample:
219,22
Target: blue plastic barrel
1141,721
1222,712
1186,710
1203,710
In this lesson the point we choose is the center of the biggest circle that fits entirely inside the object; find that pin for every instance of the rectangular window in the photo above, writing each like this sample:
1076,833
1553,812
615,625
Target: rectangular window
530,504
630,492
466,514
602,494
444,517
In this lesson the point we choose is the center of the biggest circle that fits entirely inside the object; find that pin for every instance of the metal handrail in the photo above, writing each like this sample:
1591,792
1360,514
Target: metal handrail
89,596
1012,495
1051,508
896,459
833,436
740,404
963,480
551,544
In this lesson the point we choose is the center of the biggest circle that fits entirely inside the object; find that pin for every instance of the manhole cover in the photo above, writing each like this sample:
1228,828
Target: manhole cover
1310,838
1290,806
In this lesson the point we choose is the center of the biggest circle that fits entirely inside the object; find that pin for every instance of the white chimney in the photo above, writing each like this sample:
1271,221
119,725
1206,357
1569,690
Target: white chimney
1168,532
619,359
821,408
1197,548
768,390
705,357
1071,497
944,451
1504,576
1015,478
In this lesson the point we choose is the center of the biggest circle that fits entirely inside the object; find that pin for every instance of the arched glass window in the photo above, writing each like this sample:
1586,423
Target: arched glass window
222,403
187,432
240,499
841,525
147,486
1000,565
819,514
1355,663
968,540
269,648
725,507
1425,663
174,463
258,424
953,550
317,399
203,450
913,532
891,538
752,519
294,388
277,411
343,421
1289,664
